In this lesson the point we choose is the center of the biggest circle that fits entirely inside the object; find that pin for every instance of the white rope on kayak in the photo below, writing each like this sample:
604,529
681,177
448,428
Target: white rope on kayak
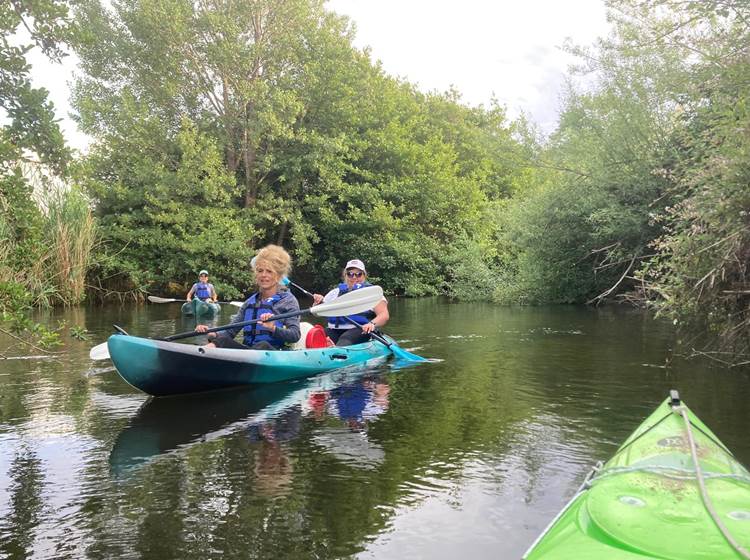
668,472
702,485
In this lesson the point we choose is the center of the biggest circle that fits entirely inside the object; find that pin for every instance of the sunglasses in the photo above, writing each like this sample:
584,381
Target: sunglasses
355,274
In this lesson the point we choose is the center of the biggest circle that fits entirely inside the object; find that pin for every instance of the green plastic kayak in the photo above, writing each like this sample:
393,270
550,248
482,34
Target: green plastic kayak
199,308
650,501
163,368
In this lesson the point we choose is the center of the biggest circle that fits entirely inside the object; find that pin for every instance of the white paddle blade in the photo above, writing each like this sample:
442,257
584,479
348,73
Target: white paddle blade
155,299
351,303
99,352
237,303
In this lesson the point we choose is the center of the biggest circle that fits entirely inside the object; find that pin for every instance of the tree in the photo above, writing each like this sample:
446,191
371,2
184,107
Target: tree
646,193
332,157
700,277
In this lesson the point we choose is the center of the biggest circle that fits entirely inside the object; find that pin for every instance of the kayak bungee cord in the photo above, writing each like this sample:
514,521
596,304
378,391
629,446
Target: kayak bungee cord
680,409
667,472
597,472
674,402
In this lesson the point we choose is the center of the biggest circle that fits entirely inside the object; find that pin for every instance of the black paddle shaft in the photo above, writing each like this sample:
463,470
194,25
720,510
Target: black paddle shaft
233,325
373,334
300,288
175,300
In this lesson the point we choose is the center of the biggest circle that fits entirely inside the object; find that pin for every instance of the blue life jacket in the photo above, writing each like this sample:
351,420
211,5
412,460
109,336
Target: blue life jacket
360,318
202,290
255,308
351,400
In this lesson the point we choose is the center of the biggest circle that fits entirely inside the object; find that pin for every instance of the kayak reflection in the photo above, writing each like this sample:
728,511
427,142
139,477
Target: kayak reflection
340,404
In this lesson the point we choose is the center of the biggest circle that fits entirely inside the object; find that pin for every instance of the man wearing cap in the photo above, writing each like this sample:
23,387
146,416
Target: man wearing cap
343,330
202,289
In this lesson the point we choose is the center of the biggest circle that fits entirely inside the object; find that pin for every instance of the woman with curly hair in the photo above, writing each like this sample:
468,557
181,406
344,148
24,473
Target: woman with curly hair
271,264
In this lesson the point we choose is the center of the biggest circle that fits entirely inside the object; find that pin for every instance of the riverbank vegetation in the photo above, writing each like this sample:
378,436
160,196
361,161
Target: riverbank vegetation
649,200
218,129
47,229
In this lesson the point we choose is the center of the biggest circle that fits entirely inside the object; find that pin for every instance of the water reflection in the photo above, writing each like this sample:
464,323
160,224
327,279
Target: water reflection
471,456
26,474
152,320
274,467
269,416
356,405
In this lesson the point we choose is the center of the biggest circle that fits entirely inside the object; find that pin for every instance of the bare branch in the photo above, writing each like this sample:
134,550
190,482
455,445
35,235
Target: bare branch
598,299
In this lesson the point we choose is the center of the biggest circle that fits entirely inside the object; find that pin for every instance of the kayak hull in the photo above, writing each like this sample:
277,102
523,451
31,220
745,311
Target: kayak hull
645,502
199,308
162,368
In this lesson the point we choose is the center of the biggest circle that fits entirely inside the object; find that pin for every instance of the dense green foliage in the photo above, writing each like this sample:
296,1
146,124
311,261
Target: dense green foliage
219,130
700,278
28,135
646,195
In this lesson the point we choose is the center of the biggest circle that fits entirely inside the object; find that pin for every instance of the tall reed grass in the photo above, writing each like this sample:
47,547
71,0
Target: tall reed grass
46,241
47,236
71,230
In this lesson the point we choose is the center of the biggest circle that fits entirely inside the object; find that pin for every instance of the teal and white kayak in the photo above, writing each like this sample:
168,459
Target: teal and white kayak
672,491
162,368
199,308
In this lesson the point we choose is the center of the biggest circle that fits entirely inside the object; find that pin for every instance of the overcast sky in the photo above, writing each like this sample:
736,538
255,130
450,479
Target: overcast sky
506,48
509,49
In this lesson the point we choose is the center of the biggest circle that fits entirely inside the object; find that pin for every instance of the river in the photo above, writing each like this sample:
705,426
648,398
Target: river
467,456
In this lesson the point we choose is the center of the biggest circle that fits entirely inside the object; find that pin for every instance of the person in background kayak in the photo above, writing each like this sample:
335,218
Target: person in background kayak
202,289
271,265
340,330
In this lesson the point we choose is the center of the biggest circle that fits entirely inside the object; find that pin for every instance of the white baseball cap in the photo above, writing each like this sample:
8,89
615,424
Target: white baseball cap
356,263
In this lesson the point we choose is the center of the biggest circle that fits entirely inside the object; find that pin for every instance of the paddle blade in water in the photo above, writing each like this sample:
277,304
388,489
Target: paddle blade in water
99,352
397,351
156,299
402,354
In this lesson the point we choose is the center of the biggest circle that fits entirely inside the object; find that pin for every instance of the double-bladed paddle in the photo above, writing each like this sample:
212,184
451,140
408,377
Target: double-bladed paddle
348,304
157,299
392,346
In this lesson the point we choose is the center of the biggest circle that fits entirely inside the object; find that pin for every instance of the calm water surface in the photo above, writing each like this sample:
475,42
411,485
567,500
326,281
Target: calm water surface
467,457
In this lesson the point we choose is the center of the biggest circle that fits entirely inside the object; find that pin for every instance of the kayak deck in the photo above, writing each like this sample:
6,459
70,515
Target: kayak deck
162,368
646,501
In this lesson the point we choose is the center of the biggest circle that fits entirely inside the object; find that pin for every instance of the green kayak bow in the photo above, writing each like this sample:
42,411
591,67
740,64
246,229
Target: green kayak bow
672,491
